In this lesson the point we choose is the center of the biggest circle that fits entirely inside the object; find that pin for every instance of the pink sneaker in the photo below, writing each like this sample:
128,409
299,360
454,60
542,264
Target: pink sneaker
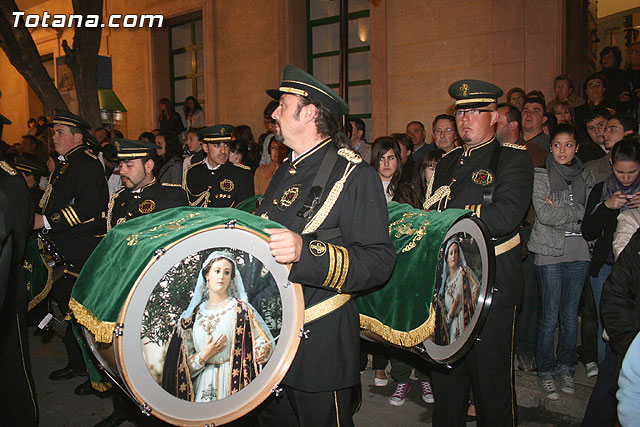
398,396
427,392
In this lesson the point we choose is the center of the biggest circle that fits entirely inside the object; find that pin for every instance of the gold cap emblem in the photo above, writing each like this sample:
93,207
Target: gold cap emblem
465,89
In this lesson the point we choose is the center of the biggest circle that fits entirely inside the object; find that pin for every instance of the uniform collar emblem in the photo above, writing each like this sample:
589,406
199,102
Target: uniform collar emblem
289,197
482,177
146,206
226,185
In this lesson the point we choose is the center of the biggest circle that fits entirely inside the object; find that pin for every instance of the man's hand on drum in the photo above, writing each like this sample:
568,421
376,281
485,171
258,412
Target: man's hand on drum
285,245
213,347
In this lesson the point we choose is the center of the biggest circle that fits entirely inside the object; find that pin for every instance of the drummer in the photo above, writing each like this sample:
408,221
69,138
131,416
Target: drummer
215,181
496,183
141,192
337,242
32,170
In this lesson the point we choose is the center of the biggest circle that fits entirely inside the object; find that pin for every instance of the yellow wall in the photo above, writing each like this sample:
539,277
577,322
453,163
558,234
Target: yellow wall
432,44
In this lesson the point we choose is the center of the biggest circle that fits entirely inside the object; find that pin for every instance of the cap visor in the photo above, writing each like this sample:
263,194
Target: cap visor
274,93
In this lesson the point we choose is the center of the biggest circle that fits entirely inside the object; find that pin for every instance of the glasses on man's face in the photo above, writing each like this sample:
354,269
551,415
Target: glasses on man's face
594,85
474,112
440,132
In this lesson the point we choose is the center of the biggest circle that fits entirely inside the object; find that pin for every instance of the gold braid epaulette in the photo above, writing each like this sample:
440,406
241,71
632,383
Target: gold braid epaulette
169,184
439,194
516,146
112,202
350,155
90,154
199,197
7,168
323,212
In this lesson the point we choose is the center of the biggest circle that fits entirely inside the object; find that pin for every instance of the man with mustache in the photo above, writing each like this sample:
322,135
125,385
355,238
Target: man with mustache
141,192
216,182
496,183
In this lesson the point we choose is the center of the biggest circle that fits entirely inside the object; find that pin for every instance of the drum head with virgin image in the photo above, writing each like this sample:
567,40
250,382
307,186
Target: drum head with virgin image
462,294
210,328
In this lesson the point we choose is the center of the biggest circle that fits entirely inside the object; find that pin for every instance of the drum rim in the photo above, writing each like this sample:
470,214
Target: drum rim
271,382
484,299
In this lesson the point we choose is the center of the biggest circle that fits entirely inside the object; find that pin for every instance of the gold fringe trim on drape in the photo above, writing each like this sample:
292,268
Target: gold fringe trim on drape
102,331
101,387
47,287
401,338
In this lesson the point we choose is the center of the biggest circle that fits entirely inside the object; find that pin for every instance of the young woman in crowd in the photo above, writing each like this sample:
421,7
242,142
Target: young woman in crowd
560,192
385,158
169,120
169,165
278,152
243,134
619,193
193,113
195,153
414,191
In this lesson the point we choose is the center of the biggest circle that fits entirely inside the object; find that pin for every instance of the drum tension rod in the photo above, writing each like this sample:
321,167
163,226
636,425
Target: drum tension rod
159,252
117,331
276,390
145,409
304,333
231,223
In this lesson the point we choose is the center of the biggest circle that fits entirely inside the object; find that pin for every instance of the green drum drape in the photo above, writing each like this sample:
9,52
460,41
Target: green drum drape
401,311
112,269
38,275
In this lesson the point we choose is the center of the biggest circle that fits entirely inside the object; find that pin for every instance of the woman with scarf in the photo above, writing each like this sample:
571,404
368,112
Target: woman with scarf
618,193
221,342
561,257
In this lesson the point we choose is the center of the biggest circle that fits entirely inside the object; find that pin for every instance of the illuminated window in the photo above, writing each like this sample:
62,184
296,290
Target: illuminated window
187,63
323,35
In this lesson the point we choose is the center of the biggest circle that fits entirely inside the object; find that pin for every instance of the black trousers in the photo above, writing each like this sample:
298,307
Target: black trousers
18,401
488,370
62,294
296,408
588,348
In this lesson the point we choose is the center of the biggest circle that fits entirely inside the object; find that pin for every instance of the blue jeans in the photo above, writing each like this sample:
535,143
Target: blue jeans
597,283
560,289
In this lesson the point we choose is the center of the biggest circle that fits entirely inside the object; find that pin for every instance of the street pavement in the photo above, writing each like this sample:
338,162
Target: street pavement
60,407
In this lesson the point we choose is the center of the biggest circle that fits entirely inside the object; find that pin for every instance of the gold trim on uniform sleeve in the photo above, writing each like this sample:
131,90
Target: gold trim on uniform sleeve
338,272
66,216
345,267
332,264
74,215
478,209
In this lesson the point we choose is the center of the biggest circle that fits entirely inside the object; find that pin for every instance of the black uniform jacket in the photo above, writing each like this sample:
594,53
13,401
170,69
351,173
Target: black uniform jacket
16,219
153,197
36,193
620,305
76,207
350,252
512,184
223,187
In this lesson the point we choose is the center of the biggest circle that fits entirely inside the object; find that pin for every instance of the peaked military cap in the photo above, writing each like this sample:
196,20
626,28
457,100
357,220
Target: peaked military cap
30,166
4,120
474,93
297,82
92,142
131,149
67,118
216,134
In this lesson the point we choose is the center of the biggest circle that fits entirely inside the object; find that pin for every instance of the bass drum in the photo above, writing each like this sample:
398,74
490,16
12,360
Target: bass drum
462,295
177,310
439,294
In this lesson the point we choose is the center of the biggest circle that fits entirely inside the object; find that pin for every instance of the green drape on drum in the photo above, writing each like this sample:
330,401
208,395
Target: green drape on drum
401,312
38,275
114,266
